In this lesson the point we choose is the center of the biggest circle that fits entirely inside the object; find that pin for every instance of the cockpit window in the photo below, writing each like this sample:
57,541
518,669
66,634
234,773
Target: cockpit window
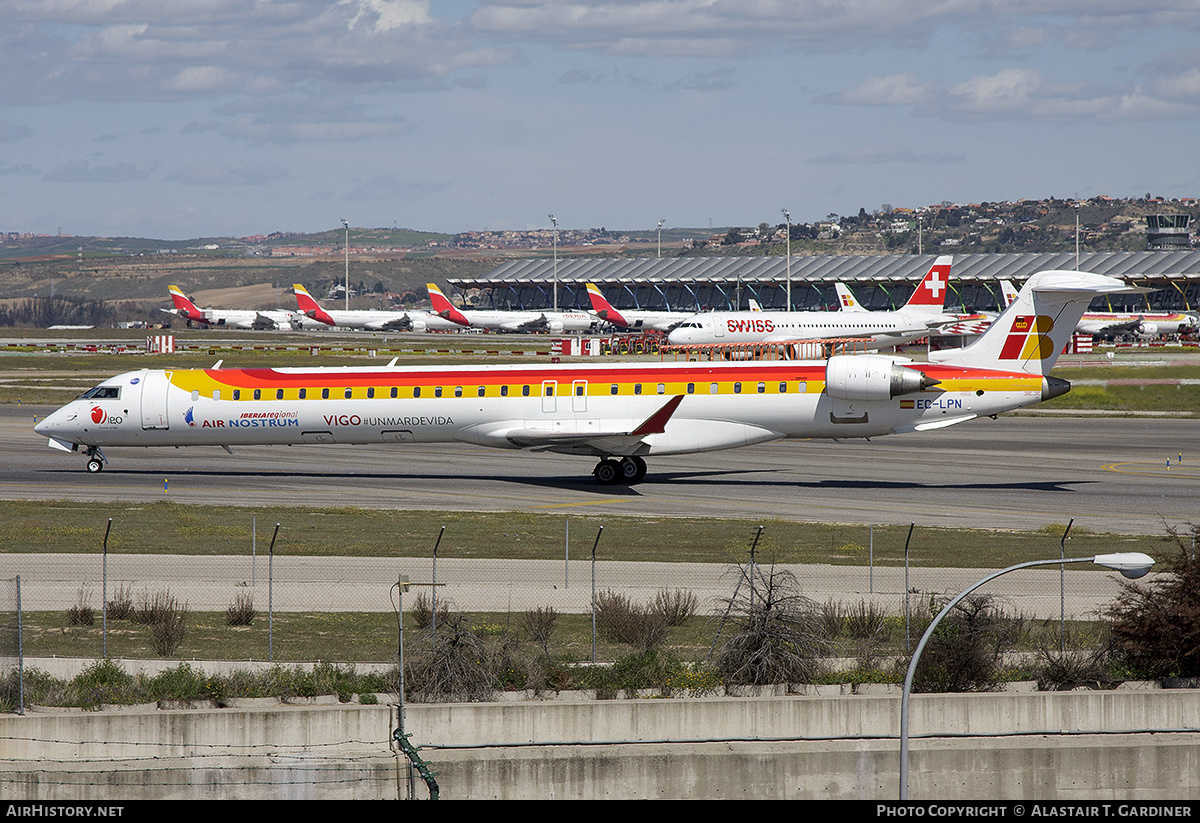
102,393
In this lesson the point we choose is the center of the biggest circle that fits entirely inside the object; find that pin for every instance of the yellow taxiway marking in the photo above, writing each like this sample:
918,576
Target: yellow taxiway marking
1145,469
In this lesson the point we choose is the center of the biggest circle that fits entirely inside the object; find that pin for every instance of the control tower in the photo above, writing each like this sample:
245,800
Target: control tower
1168,232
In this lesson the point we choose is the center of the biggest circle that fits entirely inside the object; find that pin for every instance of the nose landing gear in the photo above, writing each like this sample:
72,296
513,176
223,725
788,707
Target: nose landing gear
96,460
627,470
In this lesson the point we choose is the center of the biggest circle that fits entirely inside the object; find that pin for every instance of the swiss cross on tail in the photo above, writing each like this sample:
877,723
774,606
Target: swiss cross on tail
1028,338
931,292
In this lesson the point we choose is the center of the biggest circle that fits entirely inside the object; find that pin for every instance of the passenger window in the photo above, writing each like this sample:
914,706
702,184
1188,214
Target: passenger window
579,391
737,388
762,387
662,388
782,388
550,390
417,391
324,394
713,388
349,392
216,394
481,391
437,391
504,391
258,394
691,388
525,391
370,391
458,391
303,393
279,394
612,389
395,392
637,388
237,394
195,395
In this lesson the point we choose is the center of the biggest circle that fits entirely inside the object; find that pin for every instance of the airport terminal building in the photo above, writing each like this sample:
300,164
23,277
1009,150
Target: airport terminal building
878,281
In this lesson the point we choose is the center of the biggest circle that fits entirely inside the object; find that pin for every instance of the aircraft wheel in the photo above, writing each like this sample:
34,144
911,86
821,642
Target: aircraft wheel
633,469
607,472
95,465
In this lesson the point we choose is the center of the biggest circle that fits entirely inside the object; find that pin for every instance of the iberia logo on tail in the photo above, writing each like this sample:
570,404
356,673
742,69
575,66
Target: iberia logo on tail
1029,338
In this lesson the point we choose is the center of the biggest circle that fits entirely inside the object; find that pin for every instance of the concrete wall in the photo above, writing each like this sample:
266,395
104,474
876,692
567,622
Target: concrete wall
770,747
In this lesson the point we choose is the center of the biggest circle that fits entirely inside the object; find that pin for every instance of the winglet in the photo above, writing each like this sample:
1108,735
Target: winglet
444,308
657,422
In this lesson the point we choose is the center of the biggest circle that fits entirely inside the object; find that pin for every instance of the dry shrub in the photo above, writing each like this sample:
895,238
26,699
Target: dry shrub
620,620
422,611
777,636
81,613
1156,625
539,625
120,605
964,652
456,670
241,612
677,606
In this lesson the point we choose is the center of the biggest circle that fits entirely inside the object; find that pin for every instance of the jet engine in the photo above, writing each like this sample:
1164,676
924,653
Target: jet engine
871,377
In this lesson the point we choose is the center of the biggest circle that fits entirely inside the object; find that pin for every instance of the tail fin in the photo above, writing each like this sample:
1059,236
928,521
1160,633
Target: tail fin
444,308
930,294
754,306
309,307
603,309
1008,291
846,298
184,307
1032,332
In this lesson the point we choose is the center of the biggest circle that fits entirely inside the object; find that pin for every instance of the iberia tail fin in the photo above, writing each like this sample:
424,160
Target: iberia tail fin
930,295
1008,291
846,298
184,307
1033,331
603,309
309,307
444,308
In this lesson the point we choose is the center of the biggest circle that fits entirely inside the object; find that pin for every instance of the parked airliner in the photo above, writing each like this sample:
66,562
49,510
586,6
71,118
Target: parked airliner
621,413
371,320
235,318
548,321
919,316
634,319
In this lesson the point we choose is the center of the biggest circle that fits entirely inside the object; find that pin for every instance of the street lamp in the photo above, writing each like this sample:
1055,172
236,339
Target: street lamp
555,222
788,218
347,245
660,222
1131,564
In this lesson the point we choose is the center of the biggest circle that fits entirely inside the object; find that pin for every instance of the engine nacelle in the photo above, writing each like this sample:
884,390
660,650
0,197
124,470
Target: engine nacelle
554,326
871,377
1145,329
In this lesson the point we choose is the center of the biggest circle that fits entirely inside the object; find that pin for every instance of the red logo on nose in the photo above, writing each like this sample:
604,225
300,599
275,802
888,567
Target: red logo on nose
98,414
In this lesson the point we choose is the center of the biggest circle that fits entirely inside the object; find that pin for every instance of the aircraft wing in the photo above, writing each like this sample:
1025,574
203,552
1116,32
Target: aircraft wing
603,439
401,323
262,321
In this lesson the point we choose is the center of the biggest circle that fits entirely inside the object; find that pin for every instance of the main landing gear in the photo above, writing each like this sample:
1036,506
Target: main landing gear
627,471
96,460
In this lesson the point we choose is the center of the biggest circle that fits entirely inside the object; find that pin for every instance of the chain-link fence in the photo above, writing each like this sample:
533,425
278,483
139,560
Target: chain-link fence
270,605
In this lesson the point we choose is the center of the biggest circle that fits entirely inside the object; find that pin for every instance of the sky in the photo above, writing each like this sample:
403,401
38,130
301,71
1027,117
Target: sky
203,118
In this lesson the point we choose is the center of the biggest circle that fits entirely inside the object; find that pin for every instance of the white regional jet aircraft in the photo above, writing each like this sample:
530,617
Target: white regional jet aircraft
550,321
235,318
920,315
634,318
378,320
621,413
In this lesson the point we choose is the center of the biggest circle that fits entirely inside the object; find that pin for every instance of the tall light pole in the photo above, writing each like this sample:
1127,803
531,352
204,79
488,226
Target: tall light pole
555,222
788,217
1076,235
347,227
660,222
1131,564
